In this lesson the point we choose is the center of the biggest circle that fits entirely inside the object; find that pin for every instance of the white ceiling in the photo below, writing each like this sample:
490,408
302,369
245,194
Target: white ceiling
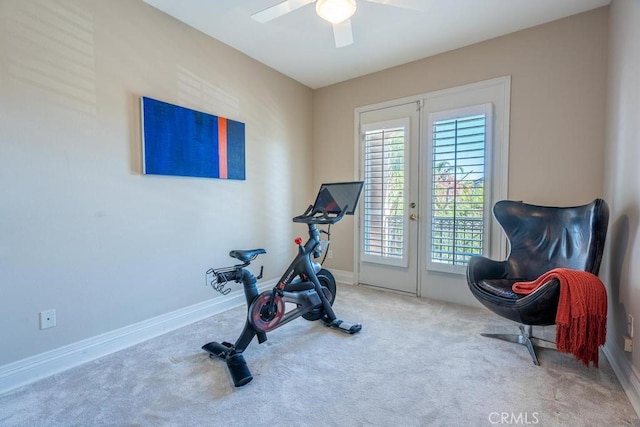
301,45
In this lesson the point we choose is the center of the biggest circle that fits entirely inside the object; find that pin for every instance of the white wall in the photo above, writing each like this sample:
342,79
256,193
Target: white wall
621,267
81,229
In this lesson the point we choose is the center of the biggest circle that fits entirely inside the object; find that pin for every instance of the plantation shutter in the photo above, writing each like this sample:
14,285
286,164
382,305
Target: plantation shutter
384,229
458,185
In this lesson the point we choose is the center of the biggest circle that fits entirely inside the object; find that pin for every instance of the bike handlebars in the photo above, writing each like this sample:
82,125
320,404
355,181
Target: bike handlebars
320,217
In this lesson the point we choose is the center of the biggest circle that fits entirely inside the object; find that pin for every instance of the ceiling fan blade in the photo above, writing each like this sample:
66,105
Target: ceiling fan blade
280,9
342,33
419,5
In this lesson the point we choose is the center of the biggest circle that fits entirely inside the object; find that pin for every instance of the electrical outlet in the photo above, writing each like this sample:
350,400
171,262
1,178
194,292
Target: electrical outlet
628,344
330,254
48,319
630,325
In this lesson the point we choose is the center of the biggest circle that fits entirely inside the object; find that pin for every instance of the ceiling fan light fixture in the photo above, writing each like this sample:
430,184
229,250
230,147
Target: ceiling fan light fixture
335,11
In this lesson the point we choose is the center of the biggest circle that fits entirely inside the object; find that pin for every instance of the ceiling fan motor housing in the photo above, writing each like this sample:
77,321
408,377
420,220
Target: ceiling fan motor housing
335,11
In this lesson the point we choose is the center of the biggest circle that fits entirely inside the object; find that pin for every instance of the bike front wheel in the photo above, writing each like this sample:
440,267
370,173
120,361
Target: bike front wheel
328,284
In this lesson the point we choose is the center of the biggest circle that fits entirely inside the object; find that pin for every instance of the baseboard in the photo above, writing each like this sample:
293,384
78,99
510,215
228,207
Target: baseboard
341,276
31,369
626,373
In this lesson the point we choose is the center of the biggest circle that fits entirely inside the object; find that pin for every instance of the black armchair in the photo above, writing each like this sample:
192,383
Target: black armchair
541,238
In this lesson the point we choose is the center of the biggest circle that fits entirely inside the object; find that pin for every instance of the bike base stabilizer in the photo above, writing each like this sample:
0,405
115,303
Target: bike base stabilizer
237,366
342,326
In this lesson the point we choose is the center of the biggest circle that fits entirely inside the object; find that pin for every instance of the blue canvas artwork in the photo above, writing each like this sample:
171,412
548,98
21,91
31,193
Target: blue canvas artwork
184,142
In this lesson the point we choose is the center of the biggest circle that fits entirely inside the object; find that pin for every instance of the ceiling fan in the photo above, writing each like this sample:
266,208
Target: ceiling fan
337,12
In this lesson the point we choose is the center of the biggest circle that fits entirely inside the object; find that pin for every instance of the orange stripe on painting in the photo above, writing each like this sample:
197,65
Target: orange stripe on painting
222,146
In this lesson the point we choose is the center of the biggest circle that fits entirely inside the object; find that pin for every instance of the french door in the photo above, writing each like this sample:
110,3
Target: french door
389,141
433,166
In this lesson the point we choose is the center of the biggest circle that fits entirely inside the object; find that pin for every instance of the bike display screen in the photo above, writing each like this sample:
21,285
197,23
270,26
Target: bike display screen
335,197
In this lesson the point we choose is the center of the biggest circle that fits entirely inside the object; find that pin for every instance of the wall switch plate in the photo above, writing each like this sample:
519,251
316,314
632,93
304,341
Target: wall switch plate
628,344
630,325
330,254
47,319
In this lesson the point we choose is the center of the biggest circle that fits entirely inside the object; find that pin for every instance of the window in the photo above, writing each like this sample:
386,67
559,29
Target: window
384,231
459,187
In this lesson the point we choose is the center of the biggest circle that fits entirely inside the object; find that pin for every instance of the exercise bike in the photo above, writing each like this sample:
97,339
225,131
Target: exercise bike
308,287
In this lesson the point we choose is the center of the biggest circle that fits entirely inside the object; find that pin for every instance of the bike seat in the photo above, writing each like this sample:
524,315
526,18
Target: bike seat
246,255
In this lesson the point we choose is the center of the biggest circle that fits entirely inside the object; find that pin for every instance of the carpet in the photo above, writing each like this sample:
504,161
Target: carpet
416,362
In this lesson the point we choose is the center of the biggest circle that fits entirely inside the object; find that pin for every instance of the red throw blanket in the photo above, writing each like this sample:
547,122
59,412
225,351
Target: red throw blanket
581,319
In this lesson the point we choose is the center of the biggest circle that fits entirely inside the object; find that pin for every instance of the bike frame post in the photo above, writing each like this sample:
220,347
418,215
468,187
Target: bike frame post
250,287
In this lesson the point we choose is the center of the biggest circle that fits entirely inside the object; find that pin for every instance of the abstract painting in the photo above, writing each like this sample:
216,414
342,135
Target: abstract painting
183,142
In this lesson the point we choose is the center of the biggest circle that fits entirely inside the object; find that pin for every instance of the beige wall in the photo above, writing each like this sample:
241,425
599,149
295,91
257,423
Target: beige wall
558,88
621,268
81,230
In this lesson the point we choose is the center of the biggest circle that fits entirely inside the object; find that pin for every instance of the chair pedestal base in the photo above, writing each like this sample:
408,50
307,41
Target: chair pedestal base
525,338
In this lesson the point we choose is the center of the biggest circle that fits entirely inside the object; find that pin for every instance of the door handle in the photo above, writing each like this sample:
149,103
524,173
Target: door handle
413,217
